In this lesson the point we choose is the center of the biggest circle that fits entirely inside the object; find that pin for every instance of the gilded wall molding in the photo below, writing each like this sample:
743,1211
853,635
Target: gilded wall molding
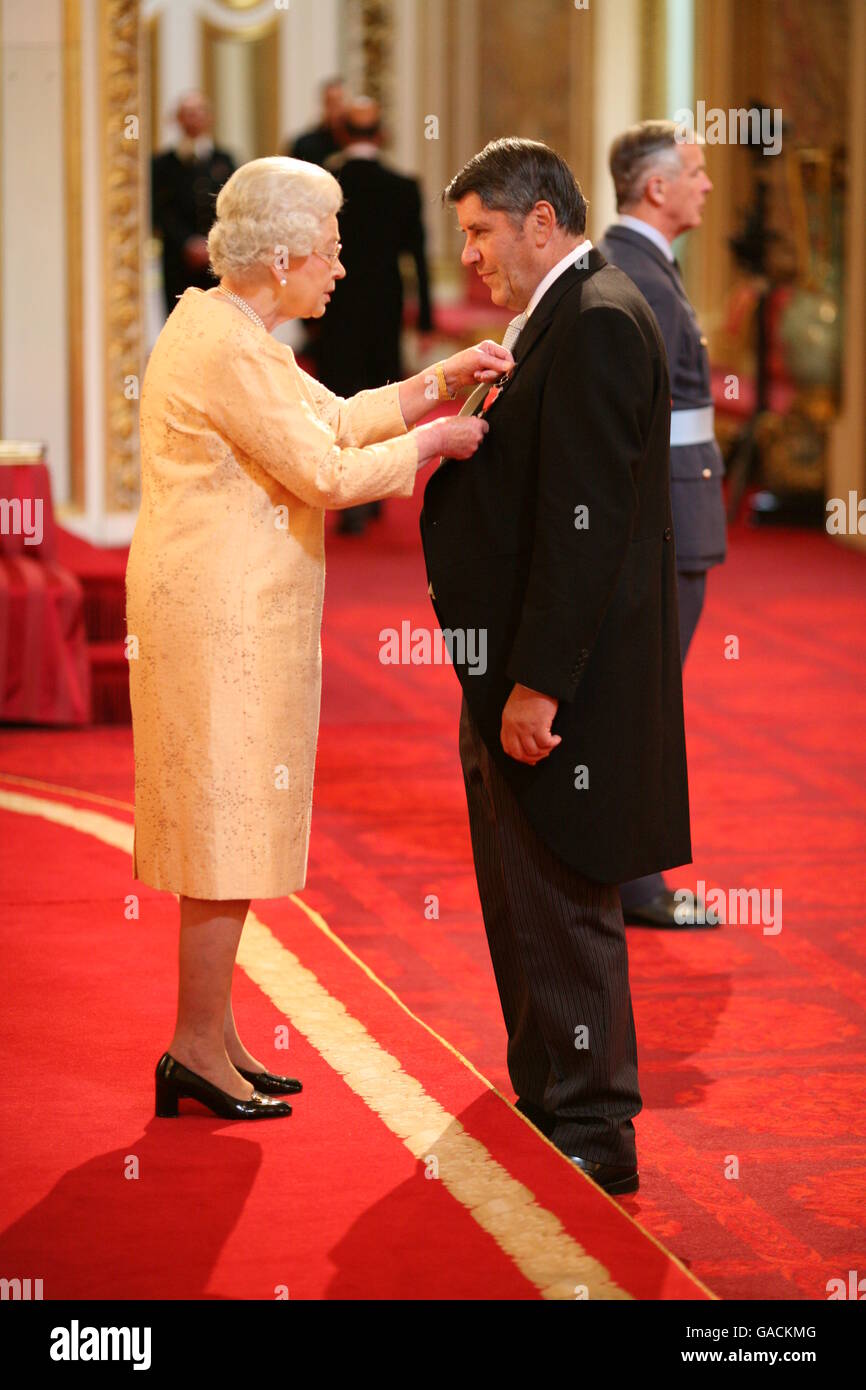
122,179
377,42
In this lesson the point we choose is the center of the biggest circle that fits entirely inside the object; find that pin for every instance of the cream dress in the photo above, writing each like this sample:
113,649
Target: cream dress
241,453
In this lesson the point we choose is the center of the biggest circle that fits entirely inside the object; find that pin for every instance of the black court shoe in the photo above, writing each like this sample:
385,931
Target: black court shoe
173,1081
270,1084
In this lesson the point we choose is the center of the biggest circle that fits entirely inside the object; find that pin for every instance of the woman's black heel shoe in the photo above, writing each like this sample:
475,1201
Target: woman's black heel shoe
174,1080
270,1084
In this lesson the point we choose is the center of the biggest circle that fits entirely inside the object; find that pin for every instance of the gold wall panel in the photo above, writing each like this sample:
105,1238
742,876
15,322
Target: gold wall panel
122,179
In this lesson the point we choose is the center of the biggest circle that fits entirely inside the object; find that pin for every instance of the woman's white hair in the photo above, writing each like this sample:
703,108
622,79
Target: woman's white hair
268,210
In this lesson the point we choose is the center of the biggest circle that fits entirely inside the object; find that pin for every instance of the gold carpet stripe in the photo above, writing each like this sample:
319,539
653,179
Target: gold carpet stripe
533,1237
82,795
116,833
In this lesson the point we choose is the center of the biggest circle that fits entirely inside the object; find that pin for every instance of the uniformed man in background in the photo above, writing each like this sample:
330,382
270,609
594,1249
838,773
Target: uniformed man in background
661,184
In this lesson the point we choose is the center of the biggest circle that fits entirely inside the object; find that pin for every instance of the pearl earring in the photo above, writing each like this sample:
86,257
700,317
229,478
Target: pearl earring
282,282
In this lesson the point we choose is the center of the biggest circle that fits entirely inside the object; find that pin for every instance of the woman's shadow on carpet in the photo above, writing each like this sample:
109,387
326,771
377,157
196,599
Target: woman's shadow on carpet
148,1220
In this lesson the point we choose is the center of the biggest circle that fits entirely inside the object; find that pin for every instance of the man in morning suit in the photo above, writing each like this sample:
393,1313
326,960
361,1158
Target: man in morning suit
357,345
185,182
661,186
556,539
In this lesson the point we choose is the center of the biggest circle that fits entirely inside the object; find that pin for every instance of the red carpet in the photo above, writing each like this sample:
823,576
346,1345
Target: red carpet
101,1200
751,1045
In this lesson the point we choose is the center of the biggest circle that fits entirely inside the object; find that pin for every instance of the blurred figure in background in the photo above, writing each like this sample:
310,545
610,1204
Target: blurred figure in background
185,181
316,146
325,139
661,186
358,344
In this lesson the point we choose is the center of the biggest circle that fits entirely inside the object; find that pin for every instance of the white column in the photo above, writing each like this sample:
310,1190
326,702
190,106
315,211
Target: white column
467,97
680,64
179,54
33,293
616,87
434,171
407,133
310,52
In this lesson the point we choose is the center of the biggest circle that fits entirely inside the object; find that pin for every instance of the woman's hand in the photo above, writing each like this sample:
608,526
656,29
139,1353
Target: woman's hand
456,437
487,361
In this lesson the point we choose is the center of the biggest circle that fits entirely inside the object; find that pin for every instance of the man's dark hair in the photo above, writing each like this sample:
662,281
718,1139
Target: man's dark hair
512,175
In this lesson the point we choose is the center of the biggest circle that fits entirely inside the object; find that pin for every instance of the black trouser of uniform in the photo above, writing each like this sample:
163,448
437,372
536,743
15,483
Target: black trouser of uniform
690,590
557,942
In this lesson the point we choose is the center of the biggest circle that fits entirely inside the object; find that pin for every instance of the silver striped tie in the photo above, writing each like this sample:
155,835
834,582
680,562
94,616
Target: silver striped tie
512,333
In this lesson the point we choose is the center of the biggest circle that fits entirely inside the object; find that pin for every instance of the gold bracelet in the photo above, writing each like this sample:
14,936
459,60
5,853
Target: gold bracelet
444,393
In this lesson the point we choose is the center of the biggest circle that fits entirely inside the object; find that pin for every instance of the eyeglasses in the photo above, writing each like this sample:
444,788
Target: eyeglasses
331,257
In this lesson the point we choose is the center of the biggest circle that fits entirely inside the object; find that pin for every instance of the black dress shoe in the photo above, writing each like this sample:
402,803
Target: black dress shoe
270,1084
173,1081
665,914
614,1179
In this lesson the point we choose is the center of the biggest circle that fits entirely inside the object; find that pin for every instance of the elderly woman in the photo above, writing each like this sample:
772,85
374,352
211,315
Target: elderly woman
241,454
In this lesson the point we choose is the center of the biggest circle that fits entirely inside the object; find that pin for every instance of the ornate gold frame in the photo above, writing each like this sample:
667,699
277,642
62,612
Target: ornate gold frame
151,40
122,176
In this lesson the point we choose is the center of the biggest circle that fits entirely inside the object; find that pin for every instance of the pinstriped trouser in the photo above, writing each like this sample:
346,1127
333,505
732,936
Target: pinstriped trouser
557,942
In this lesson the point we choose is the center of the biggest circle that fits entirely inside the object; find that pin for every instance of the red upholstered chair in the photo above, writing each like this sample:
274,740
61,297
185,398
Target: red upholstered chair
44,668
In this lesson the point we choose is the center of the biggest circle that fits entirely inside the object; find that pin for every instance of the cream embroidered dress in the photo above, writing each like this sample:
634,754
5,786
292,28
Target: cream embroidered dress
241,453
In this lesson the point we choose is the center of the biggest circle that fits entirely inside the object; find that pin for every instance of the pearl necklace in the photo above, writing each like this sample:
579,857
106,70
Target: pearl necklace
242,304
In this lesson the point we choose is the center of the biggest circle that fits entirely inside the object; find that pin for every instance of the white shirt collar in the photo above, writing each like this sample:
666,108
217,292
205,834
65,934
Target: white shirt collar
362,149
636,224
199,148
554,273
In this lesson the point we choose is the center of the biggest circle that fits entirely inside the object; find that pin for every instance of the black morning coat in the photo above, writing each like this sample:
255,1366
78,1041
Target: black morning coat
358,340
586,613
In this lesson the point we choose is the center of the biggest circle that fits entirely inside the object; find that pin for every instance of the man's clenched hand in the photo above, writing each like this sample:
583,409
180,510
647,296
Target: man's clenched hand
526,721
